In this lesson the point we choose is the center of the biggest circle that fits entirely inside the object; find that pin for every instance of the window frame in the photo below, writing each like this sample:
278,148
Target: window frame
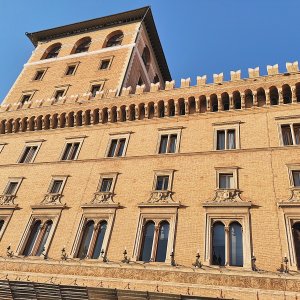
226,126
54,178
27,93
60,88
169,132
113,176
18,180
110,58
44,70
30,144
291,168
2,145
291,124
117,136
227,170
95,83
74,64
72,140
158,173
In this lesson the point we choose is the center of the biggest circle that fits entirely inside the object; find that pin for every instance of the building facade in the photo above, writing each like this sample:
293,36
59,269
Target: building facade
112,178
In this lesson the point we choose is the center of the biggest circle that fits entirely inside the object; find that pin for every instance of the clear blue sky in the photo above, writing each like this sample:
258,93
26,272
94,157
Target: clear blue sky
198,36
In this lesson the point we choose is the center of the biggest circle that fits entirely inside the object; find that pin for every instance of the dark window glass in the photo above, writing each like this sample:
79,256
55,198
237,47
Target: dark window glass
39,75
28,154
220,139
59,94
236,244
140,81
296,128
86,240
162,242
32,238
11,189
296,178
56,186
121,147
95,89
162,183
112,149
45,232
115,40
173,141
1,224
99,240
70,70
146,248
53,52
25,98
70,152
218,244
84,46
106,184
296,236
156,79
163,144
67,151
104,64
226,181
231,139
286,135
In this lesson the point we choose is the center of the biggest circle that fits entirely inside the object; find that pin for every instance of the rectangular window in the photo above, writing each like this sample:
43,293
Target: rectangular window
95,88
226,181
162,183
296,178
28,154
26,98
56,186
105,64
58,94
168,143
226,139
106,184
71,151
70,70
290,134
117,147
39,75
11,188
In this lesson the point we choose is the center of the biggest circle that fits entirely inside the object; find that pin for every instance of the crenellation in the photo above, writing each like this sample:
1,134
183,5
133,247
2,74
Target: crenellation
201,80
235,75
292,67
253,73
218,78
185,83
169,85
273,70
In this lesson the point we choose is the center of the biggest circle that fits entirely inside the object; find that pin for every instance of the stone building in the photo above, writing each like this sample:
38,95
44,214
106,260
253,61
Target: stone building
115,184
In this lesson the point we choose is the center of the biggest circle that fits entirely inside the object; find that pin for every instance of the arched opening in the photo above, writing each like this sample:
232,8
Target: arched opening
141,111
62,120
192,105
86,240
82,45
171,108
181,107
236,244
148,237
286,94
79,118
214,103
114,39
261,97
2,129
225,101
218,244
203,104
162,243
248,99
96,118
17,125
150,110
9,126
71,119
237,101
123,113
32,238
104,115
298,92
132,112
274,96
24,124
100,233
52,51
31,124
113,113
146,57
42,239
161,108
39,123
87,117
296,237
54,121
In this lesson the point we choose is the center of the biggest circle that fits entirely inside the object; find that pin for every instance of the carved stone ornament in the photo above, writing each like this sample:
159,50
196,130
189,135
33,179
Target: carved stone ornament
52,199
103,198
227,195
295,197
161,197
7,199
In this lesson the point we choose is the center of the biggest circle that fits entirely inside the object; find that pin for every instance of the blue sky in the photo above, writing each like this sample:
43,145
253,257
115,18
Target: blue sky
198,36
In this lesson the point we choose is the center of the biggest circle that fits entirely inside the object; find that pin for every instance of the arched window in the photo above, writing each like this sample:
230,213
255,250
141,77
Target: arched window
236,244
86,240
214,102
150,110
171,108
261,97
162,243
104,115
298,92
99,239
113,114
225,101
132,112
161,109
146,57
237,102
274,96
181,107
248,99
296,236
44,234
114,39
218,244
32,238
203,104
82,45
141,111
287,94
192,105
52,51
1,224
148,237
123,113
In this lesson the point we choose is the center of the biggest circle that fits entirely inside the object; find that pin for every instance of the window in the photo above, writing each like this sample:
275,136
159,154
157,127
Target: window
39,75
290,134
11,188
1,224
52,51
56,186
296,178
117,145
92,239
226,181
115,40
70,70
105,64
106,184
71,151
168,143
29,154
227,178
95,88
140,81
83,45
227,136
58,94
146,57
26,98
162,183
